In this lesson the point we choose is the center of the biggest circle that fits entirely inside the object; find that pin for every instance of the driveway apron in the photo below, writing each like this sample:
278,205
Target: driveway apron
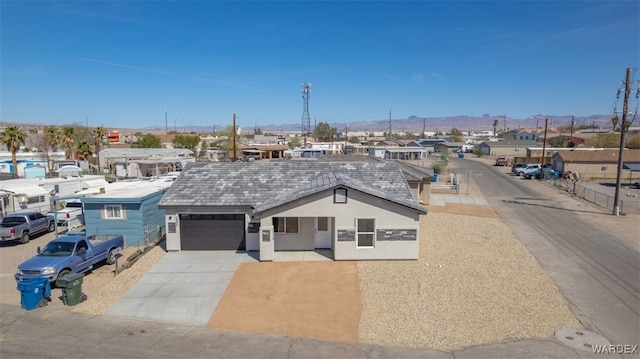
183,287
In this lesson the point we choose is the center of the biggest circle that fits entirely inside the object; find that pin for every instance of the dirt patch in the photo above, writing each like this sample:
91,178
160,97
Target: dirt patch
465,210
319,300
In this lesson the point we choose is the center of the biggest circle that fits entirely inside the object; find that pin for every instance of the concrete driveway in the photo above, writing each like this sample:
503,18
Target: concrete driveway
183,287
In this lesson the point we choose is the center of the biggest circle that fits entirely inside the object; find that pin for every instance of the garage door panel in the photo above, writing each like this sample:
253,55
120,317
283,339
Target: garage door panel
202,232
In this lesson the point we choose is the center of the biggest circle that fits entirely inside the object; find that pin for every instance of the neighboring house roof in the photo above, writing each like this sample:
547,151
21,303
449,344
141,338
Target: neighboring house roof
633,167
413,172
124,191
511,144
265,185
348,158
145,152
450,144
599,156
265,147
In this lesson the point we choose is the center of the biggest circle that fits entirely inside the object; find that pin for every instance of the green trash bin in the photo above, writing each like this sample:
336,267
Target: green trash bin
71,285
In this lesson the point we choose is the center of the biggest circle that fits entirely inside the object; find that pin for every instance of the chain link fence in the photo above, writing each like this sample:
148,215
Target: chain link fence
602,196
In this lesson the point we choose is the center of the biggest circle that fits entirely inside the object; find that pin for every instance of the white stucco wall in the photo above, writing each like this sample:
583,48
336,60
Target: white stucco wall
359,205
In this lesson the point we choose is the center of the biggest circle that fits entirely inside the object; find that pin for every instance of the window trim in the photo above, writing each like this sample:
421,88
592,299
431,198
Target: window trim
108,210
340,195
373,233
275,228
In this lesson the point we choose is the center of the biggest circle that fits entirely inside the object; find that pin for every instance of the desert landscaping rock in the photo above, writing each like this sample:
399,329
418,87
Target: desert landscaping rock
462,291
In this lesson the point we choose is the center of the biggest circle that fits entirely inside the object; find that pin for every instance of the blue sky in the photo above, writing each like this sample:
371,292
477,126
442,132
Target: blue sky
121,64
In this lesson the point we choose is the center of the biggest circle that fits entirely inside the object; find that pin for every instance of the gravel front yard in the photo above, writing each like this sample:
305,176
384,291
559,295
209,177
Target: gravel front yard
474,283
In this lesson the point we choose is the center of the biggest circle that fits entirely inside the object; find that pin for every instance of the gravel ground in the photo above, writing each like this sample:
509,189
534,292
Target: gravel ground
473,284
120,285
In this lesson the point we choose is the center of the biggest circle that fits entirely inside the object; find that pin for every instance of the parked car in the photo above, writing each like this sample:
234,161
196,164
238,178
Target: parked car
529,167
22,226
516,167
71,211
548,173
502,161
70,254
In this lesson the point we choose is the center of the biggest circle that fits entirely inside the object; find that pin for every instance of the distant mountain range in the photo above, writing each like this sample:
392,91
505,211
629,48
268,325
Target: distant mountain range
416,124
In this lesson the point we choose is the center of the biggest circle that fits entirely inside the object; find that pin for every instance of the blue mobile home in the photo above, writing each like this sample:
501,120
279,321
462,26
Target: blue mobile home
126,208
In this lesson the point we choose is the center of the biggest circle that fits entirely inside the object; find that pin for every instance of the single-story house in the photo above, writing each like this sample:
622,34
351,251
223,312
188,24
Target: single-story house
144,162
448,146
507,148
264,151
419,180
598,163
359,210
126,208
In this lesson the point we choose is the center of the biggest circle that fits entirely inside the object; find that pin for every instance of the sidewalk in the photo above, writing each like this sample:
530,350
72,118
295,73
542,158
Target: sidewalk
105,336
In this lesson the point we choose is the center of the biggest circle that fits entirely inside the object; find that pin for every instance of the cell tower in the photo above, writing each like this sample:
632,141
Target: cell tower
306,119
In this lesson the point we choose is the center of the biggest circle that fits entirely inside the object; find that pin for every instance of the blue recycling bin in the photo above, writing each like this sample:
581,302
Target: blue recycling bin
460,155
34,293
435,177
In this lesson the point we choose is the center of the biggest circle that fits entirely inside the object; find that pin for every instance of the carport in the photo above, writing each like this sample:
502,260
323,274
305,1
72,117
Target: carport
212,232
632,167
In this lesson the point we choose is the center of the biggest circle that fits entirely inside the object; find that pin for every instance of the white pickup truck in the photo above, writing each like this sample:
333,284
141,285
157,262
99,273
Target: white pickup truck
72,210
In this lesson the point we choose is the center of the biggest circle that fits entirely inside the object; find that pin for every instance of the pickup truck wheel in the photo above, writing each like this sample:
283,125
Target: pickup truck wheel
62,274
111,257
52,226
25,238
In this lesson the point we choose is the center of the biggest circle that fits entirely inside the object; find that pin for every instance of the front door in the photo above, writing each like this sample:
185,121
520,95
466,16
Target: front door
322,235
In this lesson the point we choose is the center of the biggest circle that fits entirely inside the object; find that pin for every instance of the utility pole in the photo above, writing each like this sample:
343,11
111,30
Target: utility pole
389,125
571,138
504,130
233,155
544,149
424,127
623,130
346,138
166,124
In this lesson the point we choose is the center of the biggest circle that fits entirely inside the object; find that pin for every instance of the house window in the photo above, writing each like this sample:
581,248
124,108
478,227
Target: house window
113,212
365,232
38,199
285,224
340,195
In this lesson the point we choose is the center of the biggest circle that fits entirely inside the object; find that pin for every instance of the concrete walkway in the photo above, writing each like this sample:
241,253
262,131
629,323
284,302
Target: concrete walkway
442,200
183,287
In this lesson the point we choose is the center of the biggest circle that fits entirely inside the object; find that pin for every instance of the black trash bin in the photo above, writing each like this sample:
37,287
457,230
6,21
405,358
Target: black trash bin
71,285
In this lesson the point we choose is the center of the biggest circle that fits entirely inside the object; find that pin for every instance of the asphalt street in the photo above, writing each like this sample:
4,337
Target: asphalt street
596,271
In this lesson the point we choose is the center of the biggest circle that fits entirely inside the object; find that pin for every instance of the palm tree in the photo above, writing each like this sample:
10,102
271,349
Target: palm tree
53,137
83,150
98,132
13,137
495,125
68,138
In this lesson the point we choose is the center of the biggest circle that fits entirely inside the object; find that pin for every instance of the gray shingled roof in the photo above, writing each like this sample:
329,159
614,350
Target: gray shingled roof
264,185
